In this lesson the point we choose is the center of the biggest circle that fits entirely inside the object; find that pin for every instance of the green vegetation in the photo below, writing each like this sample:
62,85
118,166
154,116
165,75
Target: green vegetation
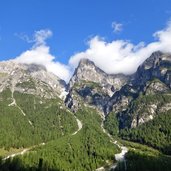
112,125
155,133
143,158
87,150
49,120
17,165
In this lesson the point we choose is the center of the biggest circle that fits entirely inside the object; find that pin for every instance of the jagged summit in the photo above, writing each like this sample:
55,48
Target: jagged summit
93,84
88,71
155,59
152,77
152,60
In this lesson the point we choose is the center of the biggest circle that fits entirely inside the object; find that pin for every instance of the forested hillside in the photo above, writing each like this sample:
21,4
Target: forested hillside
32,120
89,149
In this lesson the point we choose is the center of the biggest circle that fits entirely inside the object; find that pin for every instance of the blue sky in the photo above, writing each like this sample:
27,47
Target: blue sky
74,23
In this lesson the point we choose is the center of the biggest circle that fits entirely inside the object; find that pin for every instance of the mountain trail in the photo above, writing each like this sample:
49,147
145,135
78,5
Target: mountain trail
23,151
80,125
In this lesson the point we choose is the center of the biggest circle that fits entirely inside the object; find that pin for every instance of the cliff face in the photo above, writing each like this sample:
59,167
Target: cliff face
126,96
93,86
143,97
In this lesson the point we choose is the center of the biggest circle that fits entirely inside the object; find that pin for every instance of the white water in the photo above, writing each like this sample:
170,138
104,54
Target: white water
119,156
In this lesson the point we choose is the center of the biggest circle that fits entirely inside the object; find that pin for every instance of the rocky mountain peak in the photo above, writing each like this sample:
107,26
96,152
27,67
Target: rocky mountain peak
88,71
85,61
93,85
152,60
156,59
30,79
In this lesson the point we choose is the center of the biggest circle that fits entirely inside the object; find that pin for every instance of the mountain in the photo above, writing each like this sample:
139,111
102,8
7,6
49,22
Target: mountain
93,85
38,132
126,102
27,94
115,93
50,125
87,71
142,108
152,78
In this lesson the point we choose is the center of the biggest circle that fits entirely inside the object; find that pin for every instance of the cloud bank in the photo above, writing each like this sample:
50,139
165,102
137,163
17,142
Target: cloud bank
120,56
117,56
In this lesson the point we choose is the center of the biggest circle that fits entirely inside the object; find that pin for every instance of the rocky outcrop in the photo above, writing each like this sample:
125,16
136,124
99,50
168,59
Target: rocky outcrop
30,79
93,86
121,94
89,72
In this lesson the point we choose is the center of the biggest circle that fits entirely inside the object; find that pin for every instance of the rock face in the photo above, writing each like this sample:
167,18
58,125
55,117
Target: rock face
87,71
135,99
30,79
143,97
92,85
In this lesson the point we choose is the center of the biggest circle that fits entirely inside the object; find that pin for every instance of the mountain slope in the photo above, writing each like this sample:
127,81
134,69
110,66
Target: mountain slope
32,114
142,107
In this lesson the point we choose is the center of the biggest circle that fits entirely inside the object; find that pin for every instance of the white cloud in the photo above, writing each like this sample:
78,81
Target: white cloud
40,54
120,56
38,38
117,56
117,27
